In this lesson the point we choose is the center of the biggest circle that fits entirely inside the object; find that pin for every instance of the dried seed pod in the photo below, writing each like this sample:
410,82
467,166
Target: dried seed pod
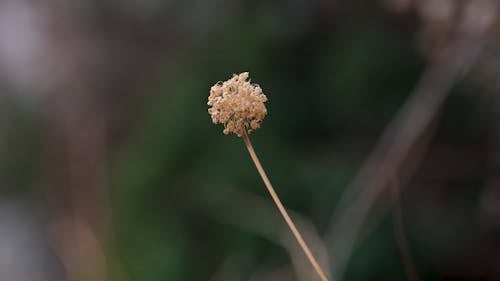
237,104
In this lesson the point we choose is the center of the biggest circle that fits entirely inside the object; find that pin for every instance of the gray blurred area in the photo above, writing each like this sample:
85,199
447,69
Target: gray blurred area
25,253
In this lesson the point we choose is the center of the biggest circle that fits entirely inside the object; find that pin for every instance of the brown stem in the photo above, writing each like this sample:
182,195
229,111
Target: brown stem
282,209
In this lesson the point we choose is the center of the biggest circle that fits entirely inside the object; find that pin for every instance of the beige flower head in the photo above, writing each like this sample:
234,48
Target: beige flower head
237,104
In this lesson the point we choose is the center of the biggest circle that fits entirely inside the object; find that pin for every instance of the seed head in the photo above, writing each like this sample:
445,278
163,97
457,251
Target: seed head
237,104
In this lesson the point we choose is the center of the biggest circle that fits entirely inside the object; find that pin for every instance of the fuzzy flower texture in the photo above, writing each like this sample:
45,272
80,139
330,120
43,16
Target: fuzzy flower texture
237,104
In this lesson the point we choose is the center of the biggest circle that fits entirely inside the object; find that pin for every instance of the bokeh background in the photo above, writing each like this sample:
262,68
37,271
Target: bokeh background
382,138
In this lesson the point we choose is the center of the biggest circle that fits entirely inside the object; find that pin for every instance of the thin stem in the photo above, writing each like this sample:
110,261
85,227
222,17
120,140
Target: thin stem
282,209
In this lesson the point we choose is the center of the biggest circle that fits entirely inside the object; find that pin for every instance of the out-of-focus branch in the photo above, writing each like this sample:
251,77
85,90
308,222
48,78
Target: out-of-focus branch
406,128
399,232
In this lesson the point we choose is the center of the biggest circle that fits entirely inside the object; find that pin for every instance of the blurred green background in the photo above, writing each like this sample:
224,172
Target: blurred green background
112,133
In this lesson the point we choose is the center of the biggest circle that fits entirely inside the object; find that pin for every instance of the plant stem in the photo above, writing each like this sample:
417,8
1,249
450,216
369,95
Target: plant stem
282,209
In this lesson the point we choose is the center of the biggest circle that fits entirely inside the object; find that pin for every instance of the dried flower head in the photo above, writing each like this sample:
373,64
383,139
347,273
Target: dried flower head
237,104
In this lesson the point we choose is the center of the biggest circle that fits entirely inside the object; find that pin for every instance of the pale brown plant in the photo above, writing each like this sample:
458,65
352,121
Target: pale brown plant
239,105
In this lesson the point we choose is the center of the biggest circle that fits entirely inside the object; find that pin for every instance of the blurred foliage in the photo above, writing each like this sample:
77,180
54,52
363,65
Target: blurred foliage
333,79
